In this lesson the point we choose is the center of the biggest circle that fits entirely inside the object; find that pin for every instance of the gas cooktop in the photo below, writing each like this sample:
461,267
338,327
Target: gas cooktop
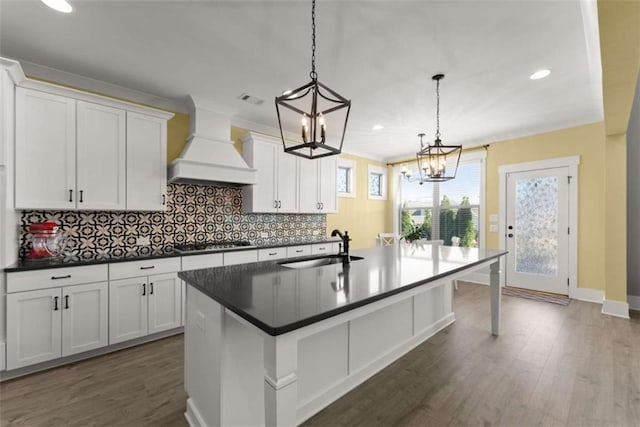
212,246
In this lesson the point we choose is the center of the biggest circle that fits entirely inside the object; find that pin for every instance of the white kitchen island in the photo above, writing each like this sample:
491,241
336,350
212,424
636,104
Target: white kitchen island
267,344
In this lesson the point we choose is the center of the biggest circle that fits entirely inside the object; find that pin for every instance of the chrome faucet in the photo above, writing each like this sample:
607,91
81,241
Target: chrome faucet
345,244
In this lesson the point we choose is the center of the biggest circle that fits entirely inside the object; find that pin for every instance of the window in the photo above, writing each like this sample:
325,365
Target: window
449,211
377,182
346,178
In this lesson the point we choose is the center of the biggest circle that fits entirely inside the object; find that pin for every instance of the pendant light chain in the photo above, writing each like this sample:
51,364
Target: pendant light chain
313,73
437,111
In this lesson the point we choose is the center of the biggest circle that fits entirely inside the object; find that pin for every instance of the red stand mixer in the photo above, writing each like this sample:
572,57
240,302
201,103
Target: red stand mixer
47,240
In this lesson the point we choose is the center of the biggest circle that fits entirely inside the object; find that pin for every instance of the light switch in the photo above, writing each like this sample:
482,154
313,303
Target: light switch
493,228
493,218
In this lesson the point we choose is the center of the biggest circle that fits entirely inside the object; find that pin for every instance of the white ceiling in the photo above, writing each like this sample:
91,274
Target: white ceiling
379,54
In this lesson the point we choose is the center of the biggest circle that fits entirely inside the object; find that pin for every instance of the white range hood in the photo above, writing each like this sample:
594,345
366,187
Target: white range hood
210,157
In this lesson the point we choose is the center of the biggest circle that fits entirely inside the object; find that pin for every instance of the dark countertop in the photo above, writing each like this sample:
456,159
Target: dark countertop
278,299
27,265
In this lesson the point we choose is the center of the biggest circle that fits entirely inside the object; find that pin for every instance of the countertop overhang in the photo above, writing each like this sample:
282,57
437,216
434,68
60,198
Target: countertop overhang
277,299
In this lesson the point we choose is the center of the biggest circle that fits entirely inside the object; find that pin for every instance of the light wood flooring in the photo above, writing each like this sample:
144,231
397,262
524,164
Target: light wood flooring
552,365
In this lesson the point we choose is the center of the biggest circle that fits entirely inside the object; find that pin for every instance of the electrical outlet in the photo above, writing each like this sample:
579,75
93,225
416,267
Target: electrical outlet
143,241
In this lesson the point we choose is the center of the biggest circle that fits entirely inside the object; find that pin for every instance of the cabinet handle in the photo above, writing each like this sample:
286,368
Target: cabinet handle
81,191
279,203
66,302
68,276
148,268
151,288
299,251
144,289
273,253
71,195
321,205
275,204
164,200
55,303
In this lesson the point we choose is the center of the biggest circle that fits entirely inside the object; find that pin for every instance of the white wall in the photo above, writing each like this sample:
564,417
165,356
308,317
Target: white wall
633,202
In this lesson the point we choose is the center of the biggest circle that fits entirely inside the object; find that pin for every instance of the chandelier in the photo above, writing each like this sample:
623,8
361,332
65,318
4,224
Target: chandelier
432,160
313,106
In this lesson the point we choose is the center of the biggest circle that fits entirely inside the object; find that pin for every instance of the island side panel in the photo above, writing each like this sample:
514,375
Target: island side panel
496,296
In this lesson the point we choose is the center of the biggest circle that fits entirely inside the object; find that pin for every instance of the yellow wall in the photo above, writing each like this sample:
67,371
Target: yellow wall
589,143
177,133
363,218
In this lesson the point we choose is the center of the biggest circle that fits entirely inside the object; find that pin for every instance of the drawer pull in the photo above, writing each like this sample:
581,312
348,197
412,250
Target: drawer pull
147,268
66,302
55,303
299,251
273,253
68,276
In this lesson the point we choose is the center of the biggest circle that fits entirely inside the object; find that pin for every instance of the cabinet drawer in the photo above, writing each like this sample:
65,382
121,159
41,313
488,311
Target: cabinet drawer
271,253
195,262
124,270
324,248
240,257
294,251
55,277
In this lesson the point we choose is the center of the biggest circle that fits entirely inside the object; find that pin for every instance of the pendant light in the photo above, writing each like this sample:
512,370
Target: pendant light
438,162
320,113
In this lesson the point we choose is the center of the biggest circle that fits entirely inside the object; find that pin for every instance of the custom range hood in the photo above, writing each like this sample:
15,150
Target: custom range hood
210,157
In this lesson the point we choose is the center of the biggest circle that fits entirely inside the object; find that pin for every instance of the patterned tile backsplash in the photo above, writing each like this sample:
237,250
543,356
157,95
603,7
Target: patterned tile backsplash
195,213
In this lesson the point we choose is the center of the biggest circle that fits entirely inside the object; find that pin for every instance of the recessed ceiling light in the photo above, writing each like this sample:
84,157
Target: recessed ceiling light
59,5
540,74
377,127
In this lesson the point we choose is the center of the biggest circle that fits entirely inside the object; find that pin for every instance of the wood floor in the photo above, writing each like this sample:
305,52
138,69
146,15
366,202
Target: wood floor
552,365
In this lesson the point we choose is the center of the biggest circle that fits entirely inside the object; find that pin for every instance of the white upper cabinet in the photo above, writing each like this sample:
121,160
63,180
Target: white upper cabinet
276,185
80,151
45,151
101,154
146,162
318,185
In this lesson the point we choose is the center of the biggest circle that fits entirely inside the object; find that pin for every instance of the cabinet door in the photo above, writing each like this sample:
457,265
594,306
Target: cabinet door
287,173
85,317
45,151
263,194
101,151
165,300
146,162
33,327
308,183
127,309
328,184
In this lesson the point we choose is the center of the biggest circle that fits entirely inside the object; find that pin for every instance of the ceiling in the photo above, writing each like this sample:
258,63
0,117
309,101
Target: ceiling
379,54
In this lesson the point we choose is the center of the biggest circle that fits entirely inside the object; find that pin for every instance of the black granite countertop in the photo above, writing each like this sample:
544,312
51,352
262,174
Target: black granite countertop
278,299
27,265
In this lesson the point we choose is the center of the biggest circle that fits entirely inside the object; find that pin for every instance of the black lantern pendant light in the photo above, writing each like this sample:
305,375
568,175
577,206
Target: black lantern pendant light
432,160
322,113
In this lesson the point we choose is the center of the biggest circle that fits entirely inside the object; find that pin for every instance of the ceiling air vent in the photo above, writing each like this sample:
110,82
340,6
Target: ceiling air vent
251,99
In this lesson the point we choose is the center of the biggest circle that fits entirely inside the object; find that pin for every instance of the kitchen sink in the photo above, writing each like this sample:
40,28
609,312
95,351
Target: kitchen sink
317,262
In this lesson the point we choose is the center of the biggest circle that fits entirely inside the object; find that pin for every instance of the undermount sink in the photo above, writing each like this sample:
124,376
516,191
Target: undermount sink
317,262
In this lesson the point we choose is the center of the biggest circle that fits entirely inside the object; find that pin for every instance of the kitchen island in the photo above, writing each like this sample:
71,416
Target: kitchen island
272,343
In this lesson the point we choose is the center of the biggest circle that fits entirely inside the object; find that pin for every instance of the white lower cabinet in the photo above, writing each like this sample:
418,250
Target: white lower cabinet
50,323
143,305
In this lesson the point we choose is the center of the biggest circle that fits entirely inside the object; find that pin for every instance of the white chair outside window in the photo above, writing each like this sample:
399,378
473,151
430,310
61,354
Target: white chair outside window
388,239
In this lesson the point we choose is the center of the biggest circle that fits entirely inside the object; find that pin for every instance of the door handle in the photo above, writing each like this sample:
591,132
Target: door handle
510,235
164,200
275,204
144,289
71,195
151,288
279,203
66,302
81,201
55,303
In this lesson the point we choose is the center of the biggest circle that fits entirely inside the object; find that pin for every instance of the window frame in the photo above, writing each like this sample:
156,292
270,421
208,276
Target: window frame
350,165
382,172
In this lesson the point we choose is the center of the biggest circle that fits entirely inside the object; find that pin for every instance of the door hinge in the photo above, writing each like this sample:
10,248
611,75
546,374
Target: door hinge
569,179
568,230
567,281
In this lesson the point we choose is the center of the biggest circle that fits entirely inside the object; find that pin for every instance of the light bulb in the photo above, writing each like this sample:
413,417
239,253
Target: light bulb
305,128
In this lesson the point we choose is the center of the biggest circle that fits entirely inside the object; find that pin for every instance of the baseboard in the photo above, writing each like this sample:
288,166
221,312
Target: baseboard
615,308
192,415
588,295
634,302
3,354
